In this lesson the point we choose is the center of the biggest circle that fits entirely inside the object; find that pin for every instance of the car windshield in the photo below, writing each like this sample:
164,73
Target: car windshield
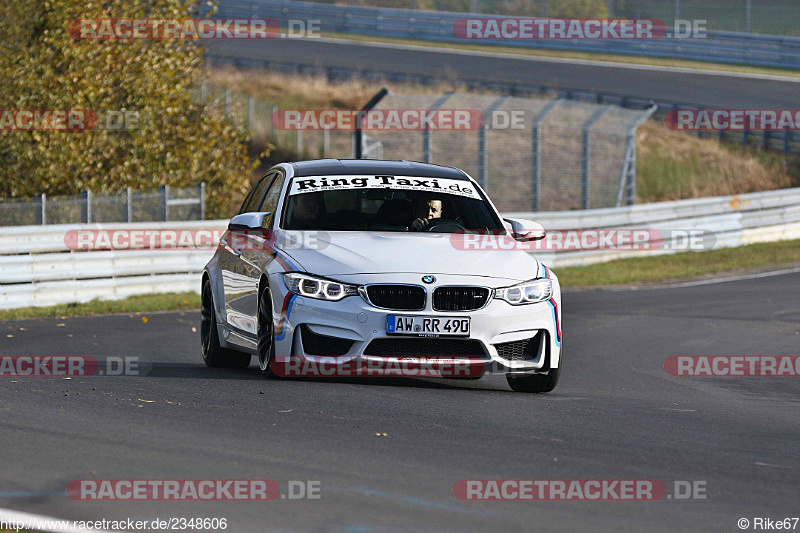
398,204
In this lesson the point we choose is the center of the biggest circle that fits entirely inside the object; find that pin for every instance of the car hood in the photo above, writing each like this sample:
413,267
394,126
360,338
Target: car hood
348,253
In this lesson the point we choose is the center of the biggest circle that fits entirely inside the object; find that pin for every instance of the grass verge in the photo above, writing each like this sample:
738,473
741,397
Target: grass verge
180,301
683,266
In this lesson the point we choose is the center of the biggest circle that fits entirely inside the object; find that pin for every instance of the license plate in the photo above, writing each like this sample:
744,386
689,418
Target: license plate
428,326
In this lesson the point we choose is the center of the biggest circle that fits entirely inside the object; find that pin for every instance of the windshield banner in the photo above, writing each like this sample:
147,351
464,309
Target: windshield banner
431,185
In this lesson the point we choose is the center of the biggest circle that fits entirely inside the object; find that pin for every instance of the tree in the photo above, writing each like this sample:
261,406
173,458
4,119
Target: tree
175,142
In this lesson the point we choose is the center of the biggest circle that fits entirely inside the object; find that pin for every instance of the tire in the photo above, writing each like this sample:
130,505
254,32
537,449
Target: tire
214,355
534,382
266,333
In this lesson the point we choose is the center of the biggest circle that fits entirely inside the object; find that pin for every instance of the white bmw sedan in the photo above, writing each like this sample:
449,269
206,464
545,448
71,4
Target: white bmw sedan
394,268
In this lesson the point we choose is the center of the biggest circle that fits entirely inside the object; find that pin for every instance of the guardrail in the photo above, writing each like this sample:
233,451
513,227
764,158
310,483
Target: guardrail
37,267
732,221
717,46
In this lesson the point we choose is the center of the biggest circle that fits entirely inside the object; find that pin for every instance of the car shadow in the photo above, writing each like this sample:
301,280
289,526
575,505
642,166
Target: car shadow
252,373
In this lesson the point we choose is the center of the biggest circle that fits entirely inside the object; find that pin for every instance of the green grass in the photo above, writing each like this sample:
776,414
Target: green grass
672,165
182,301
682,266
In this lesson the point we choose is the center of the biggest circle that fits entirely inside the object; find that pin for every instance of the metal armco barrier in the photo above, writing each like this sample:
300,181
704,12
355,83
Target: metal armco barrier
37,267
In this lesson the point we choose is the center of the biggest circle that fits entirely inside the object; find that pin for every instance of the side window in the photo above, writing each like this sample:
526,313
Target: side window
258,193
246,201
270,202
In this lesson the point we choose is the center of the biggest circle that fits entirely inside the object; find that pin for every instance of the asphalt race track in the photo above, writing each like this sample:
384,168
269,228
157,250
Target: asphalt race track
615,415
717,90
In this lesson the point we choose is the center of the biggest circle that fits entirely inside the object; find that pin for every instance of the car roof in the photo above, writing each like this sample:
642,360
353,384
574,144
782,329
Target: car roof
328,167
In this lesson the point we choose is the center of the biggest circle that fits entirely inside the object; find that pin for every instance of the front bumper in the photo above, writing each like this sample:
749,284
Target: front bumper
498,331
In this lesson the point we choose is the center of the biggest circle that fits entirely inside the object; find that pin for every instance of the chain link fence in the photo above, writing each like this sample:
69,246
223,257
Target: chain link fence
256,116
162,204
528,154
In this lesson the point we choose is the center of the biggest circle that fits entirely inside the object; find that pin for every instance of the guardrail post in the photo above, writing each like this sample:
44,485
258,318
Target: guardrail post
163,202
129,205
86,206
627,177
204,93
536,153
201,195
747,12
536,166
426,133
767,138
587,156
483,157
483,142
251,112
326,142
41,211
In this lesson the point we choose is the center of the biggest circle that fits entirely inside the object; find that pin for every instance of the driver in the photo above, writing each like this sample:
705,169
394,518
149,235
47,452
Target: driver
425,209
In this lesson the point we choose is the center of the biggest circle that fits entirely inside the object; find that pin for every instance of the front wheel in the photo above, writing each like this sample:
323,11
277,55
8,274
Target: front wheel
534,382
266,333
213,354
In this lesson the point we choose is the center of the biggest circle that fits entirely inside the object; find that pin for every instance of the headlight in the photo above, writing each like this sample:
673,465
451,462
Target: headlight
319,288
537,290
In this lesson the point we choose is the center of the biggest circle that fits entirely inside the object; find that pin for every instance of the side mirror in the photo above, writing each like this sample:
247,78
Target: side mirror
526,230
247,221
